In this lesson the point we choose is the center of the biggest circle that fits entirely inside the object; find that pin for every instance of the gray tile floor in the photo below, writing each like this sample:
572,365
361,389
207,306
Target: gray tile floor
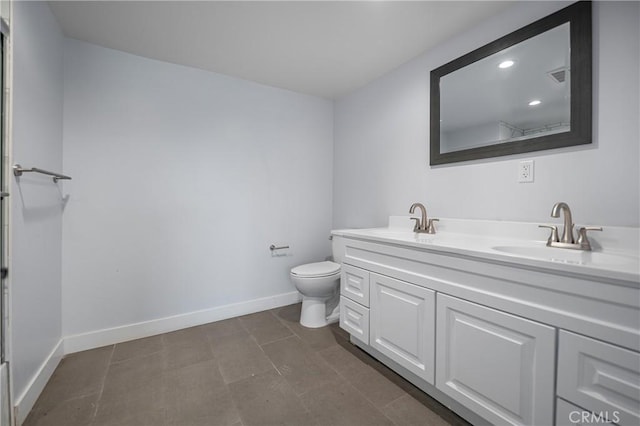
259,369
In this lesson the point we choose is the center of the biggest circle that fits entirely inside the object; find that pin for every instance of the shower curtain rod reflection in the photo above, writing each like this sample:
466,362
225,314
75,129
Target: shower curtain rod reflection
18,171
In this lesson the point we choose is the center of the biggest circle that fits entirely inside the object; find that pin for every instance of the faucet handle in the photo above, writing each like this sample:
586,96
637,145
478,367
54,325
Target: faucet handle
553,238
431,229
582,236
416,228
591,228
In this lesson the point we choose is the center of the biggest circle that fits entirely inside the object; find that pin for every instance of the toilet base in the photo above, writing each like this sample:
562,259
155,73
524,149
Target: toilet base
334,317
333,308
314,312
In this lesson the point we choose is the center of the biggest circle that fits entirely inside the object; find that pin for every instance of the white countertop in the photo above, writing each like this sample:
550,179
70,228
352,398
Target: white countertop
614,252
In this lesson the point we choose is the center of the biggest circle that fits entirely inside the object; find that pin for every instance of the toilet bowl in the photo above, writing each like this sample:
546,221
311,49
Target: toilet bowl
318,283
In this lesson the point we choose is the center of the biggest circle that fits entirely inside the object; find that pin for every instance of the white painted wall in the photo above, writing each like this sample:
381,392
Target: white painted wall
181,180
36,202
381,159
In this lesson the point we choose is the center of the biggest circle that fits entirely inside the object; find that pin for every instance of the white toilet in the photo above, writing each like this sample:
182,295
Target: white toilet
319,285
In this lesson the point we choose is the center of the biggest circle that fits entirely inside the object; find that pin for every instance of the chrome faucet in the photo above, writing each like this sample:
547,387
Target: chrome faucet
567,240
423,224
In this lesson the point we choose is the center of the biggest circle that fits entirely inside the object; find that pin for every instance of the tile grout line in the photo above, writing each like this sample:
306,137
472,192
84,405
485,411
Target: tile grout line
398,398
281,321
138,355
266,343
164,345
293,331
267,356
404,393
389,403
244,327
104,381
211,343
233,400
279,340
372,402
304,406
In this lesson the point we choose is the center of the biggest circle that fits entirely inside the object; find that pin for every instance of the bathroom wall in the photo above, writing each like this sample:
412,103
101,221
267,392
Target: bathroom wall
36,202
181,180
381,156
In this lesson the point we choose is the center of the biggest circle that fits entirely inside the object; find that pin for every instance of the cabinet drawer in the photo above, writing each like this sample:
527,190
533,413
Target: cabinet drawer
354,318
498,365
599,377
568,414
354,284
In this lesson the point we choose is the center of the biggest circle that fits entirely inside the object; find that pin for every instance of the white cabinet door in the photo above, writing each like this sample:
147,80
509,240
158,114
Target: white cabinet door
498,365
402,324
600,377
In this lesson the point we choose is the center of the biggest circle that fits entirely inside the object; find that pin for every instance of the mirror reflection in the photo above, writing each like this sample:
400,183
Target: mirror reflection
527,91
519,93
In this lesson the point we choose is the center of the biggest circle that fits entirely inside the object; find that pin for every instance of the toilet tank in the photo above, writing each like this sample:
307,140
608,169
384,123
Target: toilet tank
338,248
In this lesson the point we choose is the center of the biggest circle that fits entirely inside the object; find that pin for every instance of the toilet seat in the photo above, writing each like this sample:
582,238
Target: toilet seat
316,270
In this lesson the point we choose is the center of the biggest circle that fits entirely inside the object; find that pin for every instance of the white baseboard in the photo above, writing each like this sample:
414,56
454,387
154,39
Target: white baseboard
110,336
25,401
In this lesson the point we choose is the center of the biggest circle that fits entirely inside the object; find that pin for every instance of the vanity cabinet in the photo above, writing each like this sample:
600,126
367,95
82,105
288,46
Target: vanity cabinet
499,365
402,324
495,340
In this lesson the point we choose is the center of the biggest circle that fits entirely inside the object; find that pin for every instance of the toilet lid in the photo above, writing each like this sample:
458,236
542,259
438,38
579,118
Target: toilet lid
318,269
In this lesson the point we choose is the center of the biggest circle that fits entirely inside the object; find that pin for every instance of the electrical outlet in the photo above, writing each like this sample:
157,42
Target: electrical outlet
525,171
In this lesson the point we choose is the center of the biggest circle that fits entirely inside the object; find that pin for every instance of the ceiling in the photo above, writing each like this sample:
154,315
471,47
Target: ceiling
321,48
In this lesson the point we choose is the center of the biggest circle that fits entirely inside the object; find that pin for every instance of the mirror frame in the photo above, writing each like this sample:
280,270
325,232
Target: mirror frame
579,17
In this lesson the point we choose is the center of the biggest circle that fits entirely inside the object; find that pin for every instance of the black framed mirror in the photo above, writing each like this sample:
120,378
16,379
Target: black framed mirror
530,90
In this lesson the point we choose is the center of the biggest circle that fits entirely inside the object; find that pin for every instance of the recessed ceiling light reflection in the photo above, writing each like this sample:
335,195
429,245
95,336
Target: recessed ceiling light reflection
534,102
506,64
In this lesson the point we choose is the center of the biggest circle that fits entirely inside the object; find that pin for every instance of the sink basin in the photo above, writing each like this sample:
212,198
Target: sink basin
577,257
